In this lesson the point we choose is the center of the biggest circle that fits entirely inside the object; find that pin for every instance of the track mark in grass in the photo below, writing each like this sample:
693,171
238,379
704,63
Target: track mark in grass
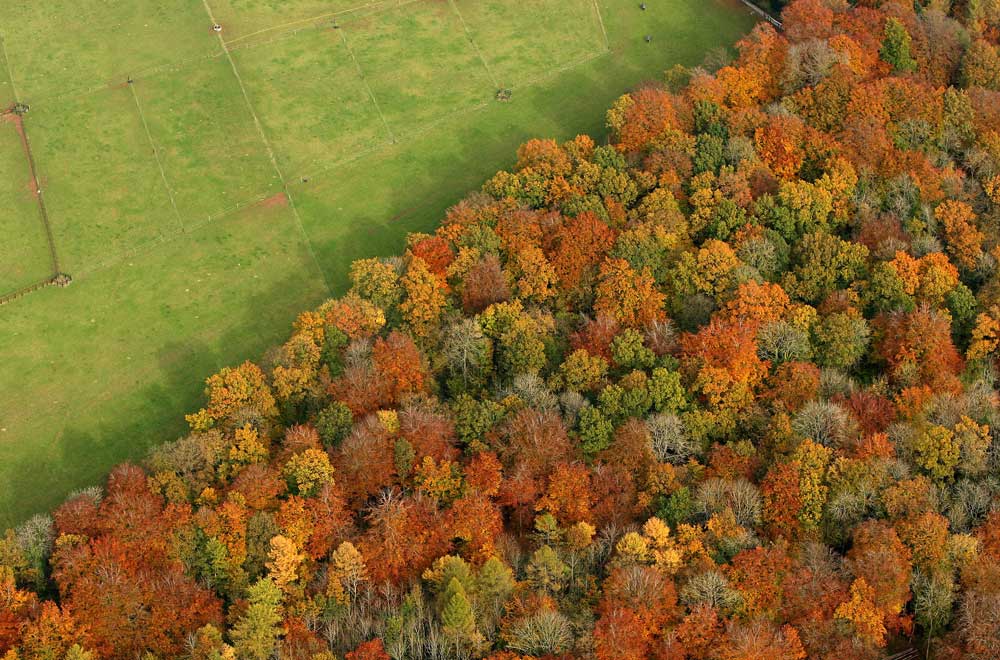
468,35
306,21
430,125
371,93
270,151
267,201
36,190
600,21
156,153
6,64
551,73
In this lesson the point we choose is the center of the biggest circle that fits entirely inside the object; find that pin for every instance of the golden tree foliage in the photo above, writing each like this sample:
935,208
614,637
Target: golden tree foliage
629,297
424,298
230,391
861,612
284,560
963,238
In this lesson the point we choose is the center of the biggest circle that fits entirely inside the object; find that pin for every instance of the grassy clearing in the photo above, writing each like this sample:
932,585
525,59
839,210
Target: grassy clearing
418,63
59,47
312,101
519,40
103,192
246,18
95,373
124,354
211,152
24,250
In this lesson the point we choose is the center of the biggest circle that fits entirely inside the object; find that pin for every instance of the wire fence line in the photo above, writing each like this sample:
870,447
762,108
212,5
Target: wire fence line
368,87
270,152
55,280
14,116
239,43
156,154
475,47
161,239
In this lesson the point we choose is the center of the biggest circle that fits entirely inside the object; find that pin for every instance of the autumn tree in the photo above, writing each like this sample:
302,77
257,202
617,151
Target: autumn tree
370,650
640,117
398,363
630,298
696,393
424,299
568,495
232,390
981,65
917,348
485,283
131,601
963,238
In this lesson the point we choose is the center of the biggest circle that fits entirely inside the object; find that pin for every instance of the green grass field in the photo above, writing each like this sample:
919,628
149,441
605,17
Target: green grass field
25,248
231,184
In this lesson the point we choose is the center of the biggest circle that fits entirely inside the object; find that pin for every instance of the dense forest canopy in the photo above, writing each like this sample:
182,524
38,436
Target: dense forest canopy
724,388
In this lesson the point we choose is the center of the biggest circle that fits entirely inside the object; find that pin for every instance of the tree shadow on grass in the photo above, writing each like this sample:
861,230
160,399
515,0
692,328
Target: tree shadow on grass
86,453
154,411
83,454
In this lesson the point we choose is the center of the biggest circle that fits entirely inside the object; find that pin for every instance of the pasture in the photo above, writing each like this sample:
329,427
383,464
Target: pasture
204,187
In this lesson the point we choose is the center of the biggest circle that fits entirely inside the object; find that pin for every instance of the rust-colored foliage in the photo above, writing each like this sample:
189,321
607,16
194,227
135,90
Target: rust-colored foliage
629,297
435,252
782,500
698,393
132,602
477,523
567,496
371,650
647,114
484,285
964,240
364,461
404,536
577,247
919,343
619,633
398,365
779,144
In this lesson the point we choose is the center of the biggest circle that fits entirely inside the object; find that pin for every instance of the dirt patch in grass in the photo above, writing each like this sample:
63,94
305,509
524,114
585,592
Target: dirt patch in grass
33,187
12,117
275,201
